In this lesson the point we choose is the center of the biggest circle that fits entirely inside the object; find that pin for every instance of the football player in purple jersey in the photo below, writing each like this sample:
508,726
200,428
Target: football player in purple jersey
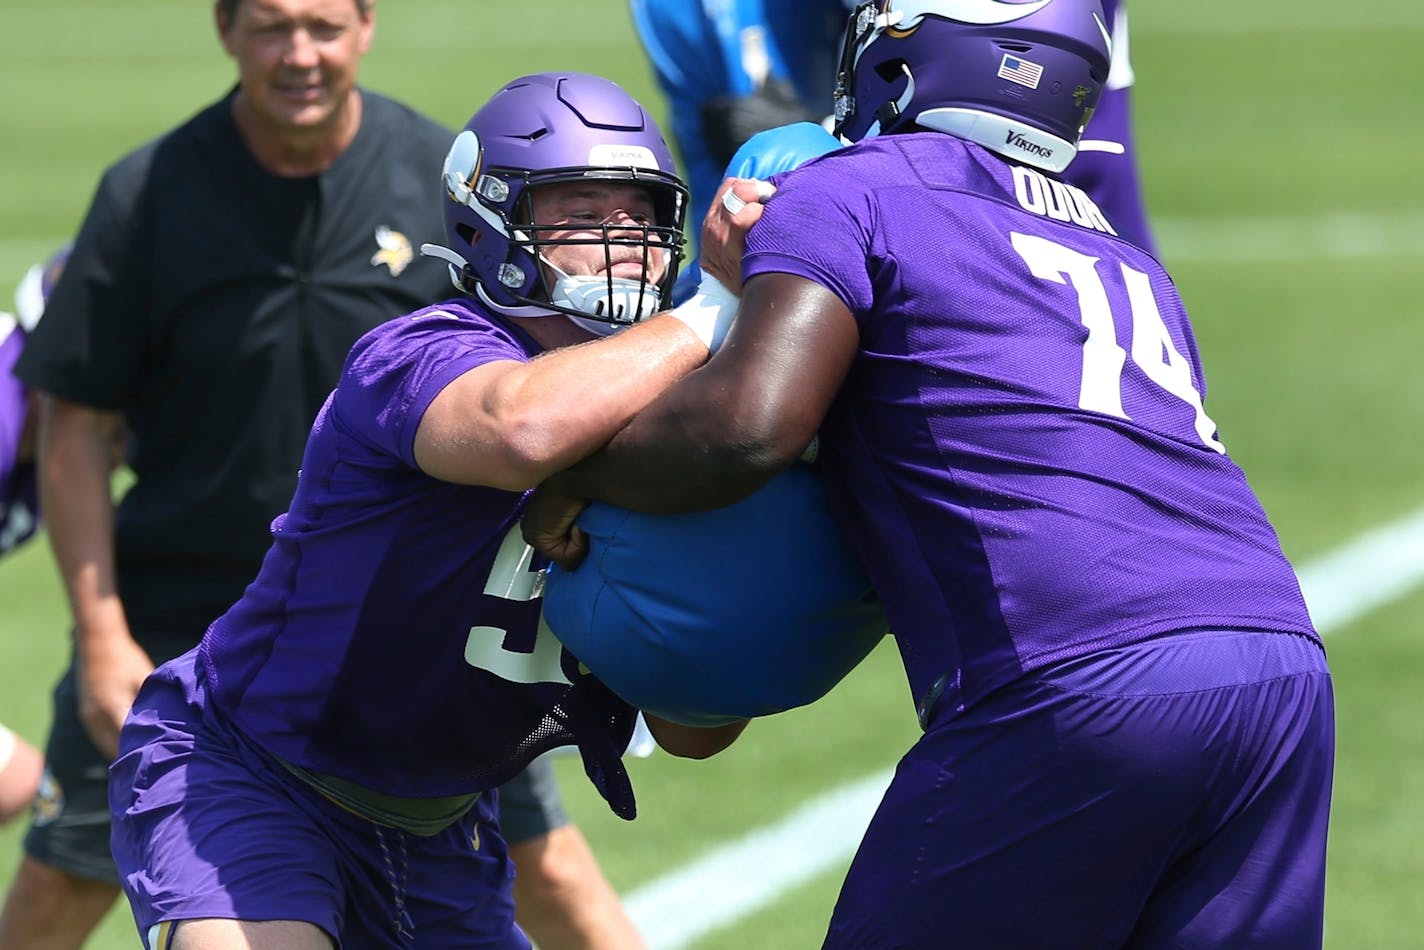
19,491
321,768
1128,717
21,764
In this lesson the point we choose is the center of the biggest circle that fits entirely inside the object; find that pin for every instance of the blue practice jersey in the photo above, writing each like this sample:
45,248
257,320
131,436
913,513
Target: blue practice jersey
704,49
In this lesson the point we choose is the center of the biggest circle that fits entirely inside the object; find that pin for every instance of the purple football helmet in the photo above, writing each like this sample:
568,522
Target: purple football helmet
1019,77
544,129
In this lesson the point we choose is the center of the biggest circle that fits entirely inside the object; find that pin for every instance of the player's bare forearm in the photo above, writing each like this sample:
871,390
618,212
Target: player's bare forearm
726,429
508,424
666,461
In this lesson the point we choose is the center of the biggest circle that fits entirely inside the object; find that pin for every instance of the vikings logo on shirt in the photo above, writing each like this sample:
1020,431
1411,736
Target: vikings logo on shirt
395,250
17,520
49,800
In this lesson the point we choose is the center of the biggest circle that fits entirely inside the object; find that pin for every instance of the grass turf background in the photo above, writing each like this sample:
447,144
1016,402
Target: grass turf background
1283,178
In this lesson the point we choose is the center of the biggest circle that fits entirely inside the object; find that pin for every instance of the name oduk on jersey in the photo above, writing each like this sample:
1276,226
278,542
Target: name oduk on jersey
1049,198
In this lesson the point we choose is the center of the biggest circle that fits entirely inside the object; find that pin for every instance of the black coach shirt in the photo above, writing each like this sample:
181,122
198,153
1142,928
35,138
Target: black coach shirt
213,304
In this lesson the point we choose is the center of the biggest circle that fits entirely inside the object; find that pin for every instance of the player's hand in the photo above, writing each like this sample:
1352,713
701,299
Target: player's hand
693,742
738,205
549,527
109,672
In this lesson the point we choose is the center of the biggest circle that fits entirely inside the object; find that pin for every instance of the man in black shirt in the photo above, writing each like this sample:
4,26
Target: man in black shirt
221,275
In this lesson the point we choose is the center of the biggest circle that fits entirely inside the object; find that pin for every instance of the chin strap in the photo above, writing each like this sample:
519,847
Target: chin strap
617,301
627,300
459,267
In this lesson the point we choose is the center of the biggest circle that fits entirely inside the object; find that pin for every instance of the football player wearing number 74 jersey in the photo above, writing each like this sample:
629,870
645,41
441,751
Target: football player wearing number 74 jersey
1128,718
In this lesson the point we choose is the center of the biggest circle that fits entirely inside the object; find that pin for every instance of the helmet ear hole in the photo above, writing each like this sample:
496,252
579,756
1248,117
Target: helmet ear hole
891,69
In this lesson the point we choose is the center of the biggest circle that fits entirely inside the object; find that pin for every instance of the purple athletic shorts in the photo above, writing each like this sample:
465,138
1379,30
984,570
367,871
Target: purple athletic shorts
1170,794
205,824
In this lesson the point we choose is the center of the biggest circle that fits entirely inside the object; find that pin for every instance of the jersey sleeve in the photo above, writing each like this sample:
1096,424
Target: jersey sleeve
13,409
19,501
820,227
397,370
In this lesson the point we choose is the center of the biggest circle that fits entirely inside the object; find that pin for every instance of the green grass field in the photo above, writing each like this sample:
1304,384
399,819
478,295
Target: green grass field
1276,153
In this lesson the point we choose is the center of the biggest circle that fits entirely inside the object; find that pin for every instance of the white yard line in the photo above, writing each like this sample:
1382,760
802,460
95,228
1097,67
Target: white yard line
1250,239
742,877
1373,570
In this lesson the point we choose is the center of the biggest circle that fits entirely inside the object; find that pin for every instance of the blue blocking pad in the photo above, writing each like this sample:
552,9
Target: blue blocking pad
718,615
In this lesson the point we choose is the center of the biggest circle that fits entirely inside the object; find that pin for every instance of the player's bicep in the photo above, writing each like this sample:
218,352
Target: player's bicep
789,350
463,436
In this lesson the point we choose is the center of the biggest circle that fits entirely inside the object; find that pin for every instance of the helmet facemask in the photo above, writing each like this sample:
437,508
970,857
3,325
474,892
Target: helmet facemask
865,22
547,130
604,302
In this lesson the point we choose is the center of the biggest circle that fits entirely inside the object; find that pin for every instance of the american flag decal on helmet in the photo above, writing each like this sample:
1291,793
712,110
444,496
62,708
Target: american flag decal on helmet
1020,71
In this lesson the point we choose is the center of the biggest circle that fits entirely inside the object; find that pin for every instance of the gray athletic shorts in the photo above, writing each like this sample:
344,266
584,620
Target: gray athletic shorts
70,826
529,804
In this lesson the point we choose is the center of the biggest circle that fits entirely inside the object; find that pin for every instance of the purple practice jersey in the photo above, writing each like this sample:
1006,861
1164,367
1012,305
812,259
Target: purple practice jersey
19,500
1019,455
388,638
